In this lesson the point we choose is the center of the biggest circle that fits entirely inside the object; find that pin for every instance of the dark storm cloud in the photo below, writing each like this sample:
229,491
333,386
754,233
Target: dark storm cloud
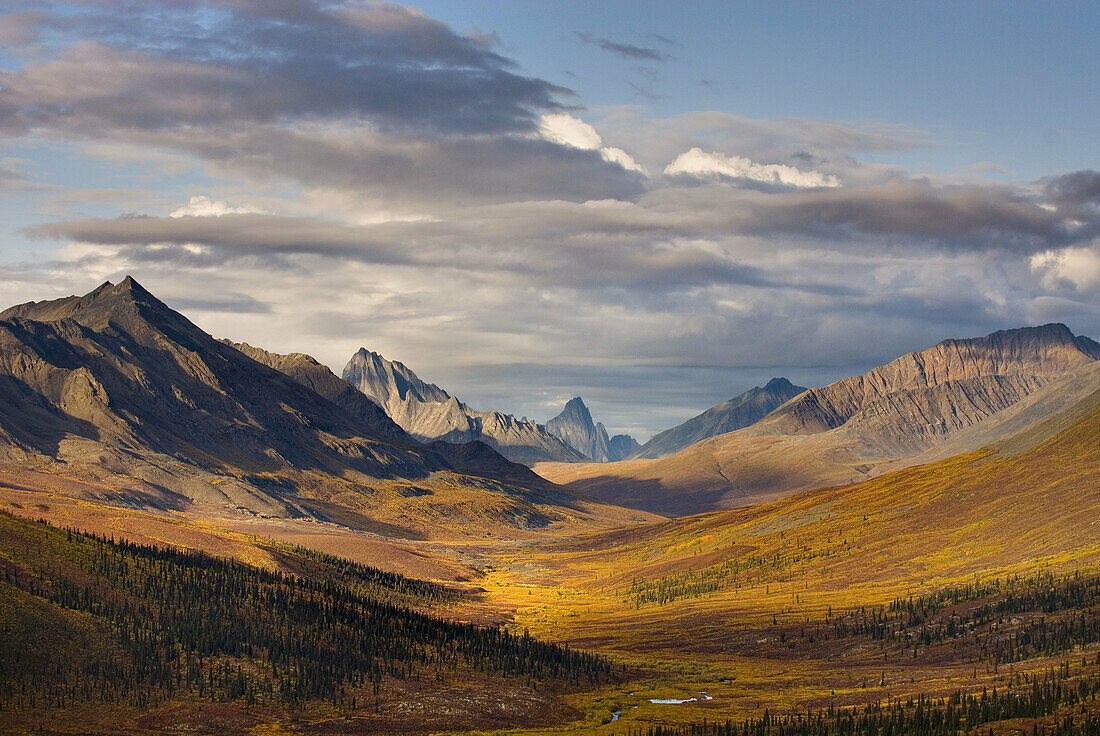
223,302
907,213
1075,189
953,218
572,252
414,169
370,97
166,65
623,50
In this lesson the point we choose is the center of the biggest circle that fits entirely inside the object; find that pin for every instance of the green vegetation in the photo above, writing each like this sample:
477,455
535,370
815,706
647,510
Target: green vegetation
1061,617
145,624
958,714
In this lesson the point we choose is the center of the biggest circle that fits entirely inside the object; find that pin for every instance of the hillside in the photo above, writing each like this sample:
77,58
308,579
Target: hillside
117,388
139,639
851,429
974,572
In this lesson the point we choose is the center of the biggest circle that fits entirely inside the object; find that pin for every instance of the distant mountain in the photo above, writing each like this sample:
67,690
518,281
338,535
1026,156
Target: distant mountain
574,426
428,413
862,426
116,387
737,413
622,446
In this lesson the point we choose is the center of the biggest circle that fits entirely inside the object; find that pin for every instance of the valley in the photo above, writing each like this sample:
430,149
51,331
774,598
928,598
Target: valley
956,590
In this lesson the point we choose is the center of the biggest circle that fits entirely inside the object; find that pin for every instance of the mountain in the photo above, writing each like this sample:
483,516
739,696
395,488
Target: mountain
1024,505
574,426
737,413
855,428
116,387
428,413
919,397
622,446
311,373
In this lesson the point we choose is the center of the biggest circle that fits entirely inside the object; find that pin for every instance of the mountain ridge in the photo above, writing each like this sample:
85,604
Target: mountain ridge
852,429
741,411
429,413
116,387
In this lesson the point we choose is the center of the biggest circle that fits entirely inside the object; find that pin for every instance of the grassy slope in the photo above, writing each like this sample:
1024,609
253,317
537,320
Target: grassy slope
975,516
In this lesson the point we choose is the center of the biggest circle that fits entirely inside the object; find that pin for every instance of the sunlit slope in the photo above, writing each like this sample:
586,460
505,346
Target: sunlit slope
695,582
955,397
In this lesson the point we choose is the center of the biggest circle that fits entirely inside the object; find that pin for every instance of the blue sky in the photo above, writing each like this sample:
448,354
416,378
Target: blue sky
652,206
1015,84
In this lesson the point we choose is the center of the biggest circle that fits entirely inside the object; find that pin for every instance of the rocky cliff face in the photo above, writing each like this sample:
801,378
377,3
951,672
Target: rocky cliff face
909,403
574,426
428,413
737,413
114,384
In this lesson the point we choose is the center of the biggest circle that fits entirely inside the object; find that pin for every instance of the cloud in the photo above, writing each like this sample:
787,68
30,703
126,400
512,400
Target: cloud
623,50
202,206
566,130
699,164
1077,266
569,131
14,177
1076,189
165,66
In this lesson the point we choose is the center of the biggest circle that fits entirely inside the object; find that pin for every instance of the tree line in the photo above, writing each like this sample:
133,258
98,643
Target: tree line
183,623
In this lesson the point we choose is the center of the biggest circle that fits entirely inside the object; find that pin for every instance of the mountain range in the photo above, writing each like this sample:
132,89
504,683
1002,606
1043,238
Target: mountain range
855,428
217,474
574,427
427,412
116,387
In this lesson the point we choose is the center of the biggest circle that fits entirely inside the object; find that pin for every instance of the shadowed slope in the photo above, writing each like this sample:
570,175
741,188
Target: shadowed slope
729,416
117,387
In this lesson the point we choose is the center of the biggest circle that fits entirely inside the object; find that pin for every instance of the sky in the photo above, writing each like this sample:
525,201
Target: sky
654,206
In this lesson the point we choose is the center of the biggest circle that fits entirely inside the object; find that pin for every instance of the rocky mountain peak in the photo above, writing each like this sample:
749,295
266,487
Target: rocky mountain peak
779,384
428,413
574,426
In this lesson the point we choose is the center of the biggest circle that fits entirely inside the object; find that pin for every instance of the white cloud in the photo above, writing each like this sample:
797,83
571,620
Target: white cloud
202,206
622,158
566,130
1078,266
699,164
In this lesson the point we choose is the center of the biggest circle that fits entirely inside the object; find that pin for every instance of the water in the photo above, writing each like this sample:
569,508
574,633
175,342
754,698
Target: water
680,701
